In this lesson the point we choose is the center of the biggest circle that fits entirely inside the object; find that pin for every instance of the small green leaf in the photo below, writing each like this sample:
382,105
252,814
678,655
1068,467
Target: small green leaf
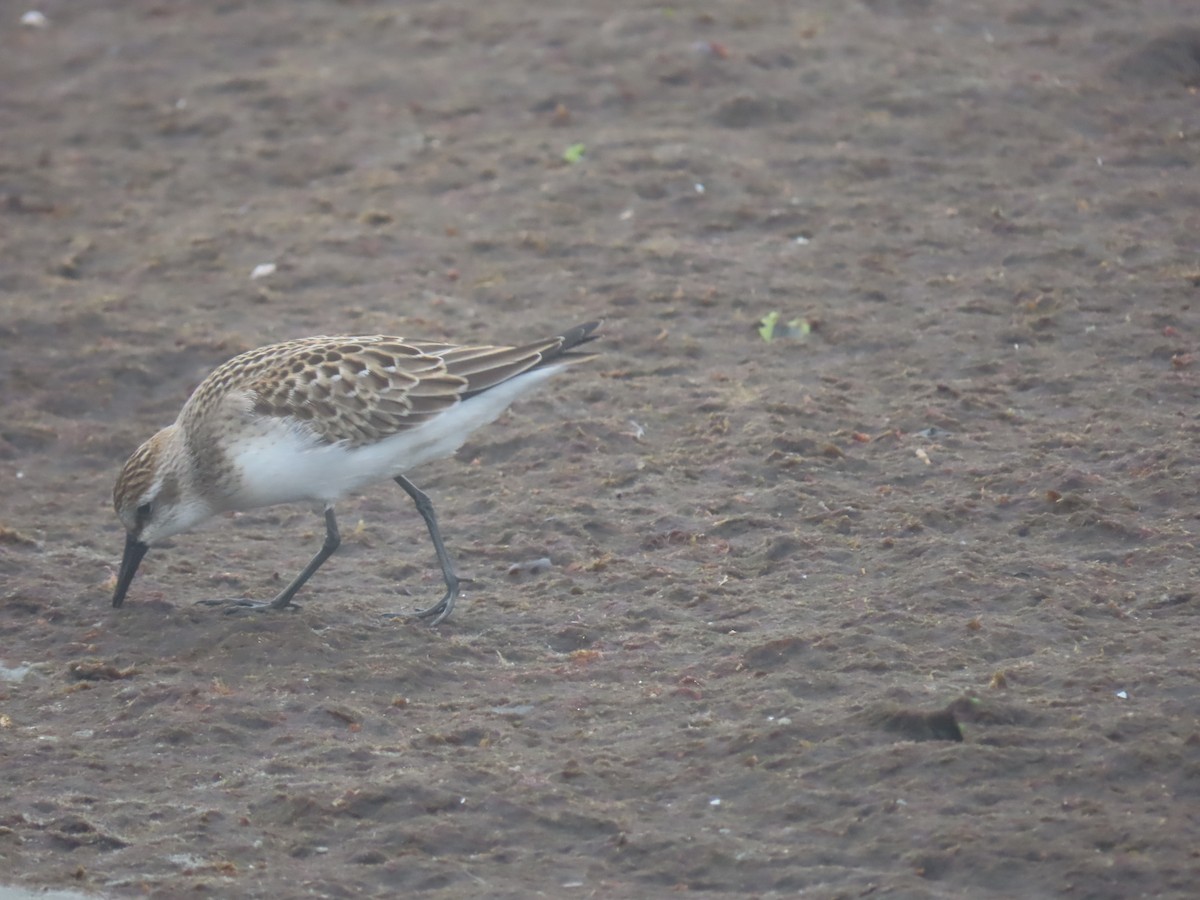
766,328
799,328
771,328
574,153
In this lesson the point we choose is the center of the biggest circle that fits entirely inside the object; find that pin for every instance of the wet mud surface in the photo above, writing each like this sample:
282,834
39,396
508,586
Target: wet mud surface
899,603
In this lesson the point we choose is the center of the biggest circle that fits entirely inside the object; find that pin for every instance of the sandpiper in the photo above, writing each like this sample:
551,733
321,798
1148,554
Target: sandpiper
315,419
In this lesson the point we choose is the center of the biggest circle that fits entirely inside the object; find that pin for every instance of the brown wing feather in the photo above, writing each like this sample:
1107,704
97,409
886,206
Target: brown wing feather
359,389
485,367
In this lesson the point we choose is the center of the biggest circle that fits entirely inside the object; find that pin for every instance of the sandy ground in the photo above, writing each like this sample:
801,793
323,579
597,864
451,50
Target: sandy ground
900,603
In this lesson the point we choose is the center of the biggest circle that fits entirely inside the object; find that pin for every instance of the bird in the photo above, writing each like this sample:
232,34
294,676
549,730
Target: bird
315,419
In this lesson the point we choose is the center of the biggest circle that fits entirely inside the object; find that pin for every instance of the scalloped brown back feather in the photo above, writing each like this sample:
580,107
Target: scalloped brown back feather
359,389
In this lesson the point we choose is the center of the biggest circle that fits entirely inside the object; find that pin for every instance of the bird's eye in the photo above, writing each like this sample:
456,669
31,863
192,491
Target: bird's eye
143,512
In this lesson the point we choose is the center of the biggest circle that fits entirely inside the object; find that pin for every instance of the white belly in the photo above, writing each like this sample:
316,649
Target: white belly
281,463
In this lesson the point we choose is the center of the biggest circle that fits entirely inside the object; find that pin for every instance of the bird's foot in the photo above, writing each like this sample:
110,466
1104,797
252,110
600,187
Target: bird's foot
437,613
242,605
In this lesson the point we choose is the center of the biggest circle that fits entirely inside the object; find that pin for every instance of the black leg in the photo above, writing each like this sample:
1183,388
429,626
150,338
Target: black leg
332,540
284,600
440,610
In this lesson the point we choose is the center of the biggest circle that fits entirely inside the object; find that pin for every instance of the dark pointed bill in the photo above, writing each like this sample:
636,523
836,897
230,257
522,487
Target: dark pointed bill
134,551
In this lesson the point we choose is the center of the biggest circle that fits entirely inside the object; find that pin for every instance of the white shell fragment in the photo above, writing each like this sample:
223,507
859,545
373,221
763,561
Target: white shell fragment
530,567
